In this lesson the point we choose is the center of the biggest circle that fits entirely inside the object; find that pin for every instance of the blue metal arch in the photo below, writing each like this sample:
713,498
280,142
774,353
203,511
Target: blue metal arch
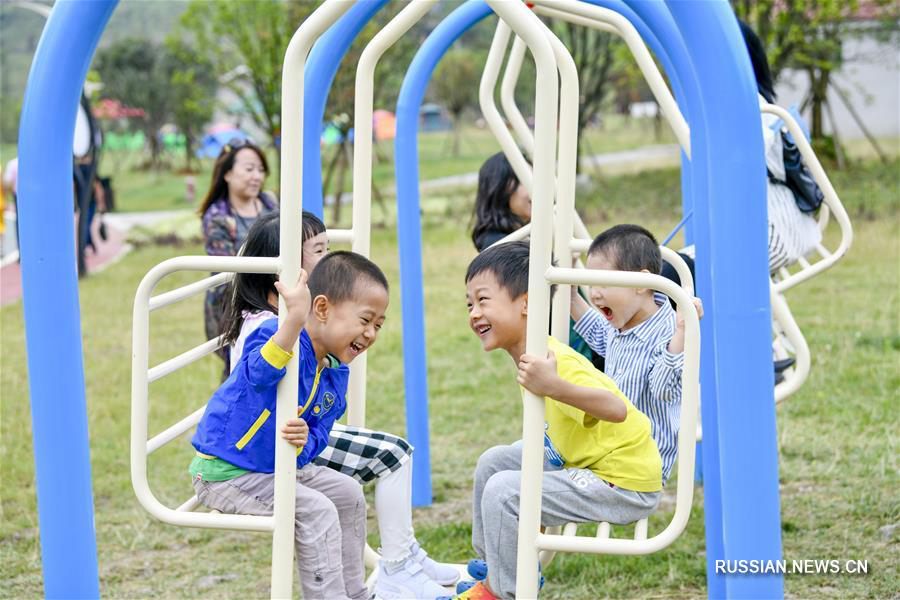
740,449
409,233
321,67
50,297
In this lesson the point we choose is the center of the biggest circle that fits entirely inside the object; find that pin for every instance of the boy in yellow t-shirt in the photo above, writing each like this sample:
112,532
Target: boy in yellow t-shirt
600,460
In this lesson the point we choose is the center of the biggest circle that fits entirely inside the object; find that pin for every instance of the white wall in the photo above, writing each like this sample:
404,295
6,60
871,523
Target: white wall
870,77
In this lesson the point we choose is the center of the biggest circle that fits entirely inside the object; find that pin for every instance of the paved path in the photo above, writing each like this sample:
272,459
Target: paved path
117,224
113,249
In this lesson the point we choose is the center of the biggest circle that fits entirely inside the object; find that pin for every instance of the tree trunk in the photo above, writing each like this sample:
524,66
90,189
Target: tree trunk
818,92
339,186
188,152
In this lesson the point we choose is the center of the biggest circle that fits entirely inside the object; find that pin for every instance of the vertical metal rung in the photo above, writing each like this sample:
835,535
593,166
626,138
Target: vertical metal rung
823,251
603,530
640,530
190,505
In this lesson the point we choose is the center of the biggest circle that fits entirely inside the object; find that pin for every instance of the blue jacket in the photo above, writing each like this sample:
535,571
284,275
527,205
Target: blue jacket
239,423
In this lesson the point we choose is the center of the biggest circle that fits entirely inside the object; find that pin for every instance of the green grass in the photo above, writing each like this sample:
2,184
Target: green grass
140,189
837,435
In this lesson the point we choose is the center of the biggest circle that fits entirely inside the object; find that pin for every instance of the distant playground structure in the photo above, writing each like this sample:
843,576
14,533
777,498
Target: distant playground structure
712,103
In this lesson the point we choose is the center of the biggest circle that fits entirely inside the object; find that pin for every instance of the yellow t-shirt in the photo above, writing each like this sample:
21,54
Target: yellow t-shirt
623,454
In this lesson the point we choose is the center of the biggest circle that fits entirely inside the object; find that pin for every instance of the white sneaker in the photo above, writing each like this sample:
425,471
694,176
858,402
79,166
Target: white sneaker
408,581
439,572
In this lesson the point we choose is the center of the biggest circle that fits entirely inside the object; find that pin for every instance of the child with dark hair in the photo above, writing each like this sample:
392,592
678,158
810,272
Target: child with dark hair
502,204
638,332
336,317
600,460
406,570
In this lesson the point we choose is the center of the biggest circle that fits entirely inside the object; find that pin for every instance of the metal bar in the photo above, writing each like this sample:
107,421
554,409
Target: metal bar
166,436
292,79
341,236
140,383
793,380
190,505
564,9
362,169
187,291
823,251
508,100
688,420
831,201
183,359
640,530
527,26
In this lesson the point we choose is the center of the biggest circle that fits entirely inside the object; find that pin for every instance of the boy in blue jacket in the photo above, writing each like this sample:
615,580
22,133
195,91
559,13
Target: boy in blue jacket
336,317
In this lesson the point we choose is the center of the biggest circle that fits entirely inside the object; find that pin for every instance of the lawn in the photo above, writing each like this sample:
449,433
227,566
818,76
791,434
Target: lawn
838,434
142,189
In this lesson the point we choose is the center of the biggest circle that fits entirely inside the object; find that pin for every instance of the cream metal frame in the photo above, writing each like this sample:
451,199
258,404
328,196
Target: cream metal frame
543,185
565,245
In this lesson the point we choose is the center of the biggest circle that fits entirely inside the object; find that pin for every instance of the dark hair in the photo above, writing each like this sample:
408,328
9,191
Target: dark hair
630,248
496,183
509,264
250,291
759,61
218,187
312,225
338,273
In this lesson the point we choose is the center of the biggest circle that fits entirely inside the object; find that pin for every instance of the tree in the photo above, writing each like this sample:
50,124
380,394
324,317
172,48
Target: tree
134,71
193,87
249,40
806,35
454,86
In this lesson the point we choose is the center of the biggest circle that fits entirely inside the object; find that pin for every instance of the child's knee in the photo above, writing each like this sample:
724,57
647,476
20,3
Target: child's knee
492,461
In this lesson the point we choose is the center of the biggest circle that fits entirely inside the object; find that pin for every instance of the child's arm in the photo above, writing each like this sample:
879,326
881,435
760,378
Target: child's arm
676,345
579,305
589,323
667,363
539,376
297,302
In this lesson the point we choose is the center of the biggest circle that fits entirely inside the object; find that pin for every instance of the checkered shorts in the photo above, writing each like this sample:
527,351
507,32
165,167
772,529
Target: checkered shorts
362,453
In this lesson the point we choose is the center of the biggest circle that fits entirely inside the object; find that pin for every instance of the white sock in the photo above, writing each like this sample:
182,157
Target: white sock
393,511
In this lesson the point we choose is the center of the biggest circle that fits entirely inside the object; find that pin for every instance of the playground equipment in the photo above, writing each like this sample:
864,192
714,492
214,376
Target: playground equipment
788,339
700,49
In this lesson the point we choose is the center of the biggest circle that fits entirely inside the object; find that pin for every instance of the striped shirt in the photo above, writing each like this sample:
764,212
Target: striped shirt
639,361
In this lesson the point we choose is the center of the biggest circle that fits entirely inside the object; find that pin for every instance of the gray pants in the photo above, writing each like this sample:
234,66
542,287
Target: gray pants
569,496
329,530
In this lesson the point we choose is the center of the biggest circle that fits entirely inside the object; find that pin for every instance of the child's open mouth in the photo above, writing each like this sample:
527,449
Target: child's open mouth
357,348
607,312
482,329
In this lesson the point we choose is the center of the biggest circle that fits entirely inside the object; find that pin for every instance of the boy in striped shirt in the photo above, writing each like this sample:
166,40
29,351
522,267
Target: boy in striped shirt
638,332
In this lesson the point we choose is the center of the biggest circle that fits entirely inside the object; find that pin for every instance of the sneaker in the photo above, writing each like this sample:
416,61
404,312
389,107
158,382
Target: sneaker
441,573
406,581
